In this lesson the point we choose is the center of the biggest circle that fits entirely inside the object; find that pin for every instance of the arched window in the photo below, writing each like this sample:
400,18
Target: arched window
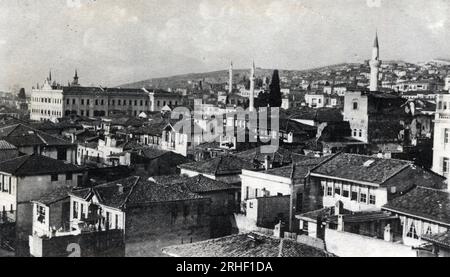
355,104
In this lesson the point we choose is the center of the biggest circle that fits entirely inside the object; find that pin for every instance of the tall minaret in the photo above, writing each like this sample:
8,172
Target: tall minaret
374,65
230,78
251,104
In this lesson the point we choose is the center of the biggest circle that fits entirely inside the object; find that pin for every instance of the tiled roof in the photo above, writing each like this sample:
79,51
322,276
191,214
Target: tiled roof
442,239
30,165
222,165
319,115
298,170
4,145
361,168
288,125
149,192
197,184
278,155
113,194
245,245
55,196
76,90
135,190
413,176
201,184
423,202
22,135
154,129
169,179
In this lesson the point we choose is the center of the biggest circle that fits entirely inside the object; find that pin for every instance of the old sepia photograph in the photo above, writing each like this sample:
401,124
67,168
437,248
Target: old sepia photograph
246,129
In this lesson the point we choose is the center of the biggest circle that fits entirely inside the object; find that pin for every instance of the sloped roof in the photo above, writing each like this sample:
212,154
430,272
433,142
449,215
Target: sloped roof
55,196
222,165
197,184
442,239
361,168
135,190
30,165
297,170
149,192
319,115
278,155
22,135
113,194
431,204
4,145
201,184
245,245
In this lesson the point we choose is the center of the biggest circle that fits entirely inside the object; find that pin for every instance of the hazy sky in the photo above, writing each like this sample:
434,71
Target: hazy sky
113,42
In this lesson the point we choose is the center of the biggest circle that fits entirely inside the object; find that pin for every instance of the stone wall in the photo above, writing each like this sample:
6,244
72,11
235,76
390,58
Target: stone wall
150,228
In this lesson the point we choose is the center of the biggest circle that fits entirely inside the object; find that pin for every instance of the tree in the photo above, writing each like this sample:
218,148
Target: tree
275,90
262,100
22,94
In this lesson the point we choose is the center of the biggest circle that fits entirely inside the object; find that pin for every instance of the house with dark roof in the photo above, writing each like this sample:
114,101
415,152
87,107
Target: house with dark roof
275,194
226,168
424,213
7,151
28,177
390,124
269,156
366,183
151,215
315,117
29,140
147,161
224,198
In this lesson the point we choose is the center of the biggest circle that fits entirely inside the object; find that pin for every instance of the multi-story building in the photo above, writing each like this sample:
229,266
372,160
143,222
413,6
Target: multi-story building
365,183
53,101
26,178
441,144
150,216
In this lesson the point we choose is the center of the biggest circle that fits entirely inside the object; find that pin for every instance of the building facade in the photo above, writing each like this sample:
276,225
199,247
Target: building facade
53,101
441,144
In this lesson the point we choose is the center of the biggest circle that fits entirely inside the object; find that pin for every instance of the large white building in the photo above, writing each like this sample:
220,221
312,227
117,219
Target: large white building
52,101
441,145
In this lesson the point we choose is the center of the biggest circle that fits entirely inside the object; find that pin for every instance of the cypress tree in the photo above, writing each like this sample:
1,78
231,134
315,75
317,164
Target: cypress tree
275,90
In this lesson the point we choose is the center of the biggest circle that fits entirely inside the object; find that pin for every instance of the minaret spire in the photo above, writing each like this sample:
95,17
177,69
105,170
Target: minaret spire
230,78
252,88
375,65
375,43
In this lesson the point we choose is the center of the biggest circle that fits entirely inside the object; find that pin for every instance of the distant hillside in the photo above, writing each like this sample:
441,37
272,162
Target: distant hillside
214,77
217,77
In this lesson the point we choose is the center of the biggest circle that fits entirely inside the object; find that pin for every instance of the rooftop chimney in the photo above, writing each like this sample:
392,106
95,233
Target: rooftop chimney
120,188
